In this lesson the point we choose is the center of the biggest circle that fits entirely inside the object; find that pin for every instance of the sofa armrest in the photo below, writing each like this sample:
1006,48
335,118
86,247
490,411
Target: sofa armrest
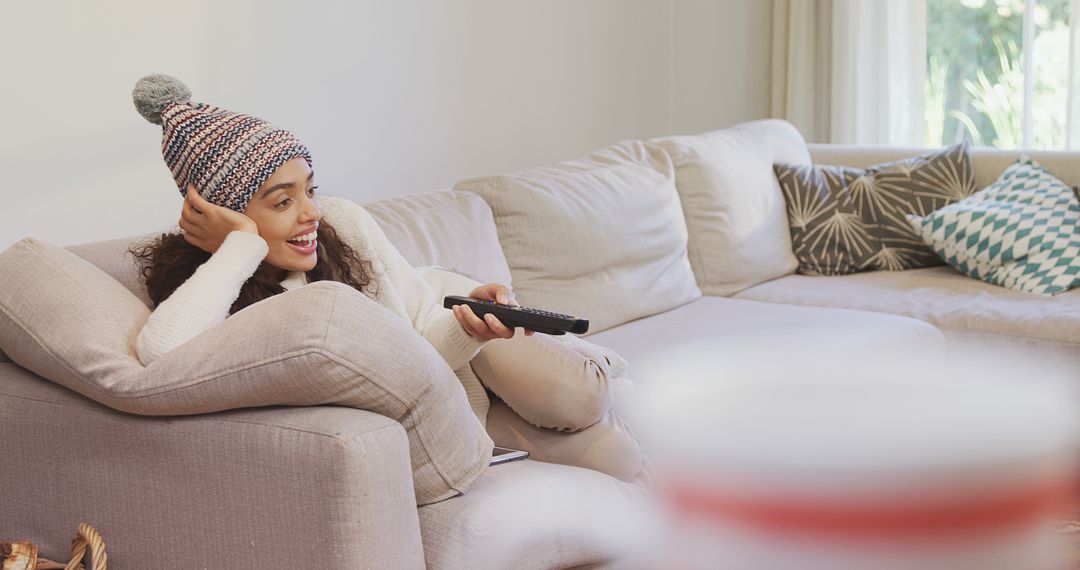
325,487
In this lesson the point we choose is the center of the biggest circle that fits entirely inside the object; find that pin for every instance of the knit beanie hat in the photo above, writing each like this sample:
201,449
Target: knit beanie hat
226,156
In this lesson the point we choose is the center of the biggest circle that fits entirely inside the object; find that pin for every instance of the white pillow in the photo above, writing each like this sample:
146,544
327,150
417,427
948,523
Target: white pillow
734,209
602,237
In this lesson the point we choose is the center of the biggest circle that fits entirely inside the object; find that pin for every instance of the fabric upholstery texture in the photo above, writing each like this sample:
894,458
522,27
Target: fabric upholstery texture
453,230
1021,232
988,163
112,257
533,515
329,486
602,237
951,301
66,320
846,219
738,230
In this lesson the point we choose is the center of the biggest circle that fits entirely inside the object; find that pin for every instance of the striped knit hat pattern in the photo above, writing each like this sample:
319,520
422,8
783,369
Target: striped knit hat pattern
225,155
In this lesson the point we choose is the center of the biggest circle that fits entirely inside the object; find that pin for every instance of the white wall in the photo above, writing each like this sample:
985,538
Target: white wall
392,97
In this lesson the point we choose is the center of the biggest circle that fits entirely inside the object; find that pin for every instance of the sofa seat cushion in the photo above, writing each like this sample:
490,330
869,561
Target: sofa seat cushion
725,319
958,305
529,514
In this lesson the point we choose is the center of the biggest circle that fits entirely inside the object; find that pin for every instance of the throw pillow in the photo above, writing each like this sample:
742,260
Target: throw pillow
602,237
66,320
1021,232
845,220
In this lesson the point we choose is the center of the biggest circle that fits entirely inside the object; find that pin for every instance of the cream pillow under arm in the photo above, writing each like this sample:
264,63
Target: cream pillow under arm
204,299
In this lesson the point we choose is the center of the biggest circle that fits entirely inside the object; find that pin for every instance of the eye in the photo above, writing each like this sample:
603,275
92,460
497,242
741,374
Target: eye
311,191
283,204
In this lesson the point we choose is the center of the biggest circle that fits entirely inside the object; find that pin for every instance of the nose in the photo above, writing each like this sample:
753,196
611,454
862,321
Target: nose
312,210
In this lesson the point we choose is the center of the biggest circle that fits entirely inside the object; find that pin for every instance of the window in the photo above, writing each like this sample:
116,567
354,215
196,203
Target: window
998,73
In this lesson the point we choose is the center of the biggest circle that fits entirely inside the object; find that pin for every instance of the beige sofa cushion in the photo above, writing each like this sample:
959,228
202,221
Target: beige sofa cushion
454,230
988,163
112,257
779,328
734,210
64,319
602,237
960,306
532,515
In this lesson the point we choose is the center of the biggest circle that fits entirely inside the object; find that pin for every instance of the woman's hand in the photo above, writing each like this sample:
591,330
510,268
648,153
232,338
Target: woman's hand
494,292
490,326
206,225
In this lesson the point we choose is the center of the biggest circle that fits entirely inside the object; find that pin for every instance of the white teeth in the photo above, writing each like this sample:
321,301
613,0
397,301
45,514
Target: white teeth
306,237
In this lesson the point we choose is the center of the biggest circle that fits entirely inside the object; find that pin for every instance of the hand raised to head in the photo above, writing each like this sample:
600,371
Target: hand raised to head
206,225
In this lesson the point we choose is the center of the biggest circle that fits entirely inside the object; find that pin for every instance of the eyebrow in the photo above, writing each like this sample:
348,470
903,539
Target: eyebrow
283,186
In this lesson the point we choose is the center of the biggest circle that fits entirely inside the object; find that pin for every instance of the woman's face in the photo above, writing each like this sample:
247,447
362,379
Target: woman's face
287,213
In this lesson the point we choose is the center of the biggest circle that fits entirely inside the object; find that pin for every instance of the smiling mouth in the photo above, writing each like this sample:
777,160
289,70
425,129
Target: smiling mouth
305,247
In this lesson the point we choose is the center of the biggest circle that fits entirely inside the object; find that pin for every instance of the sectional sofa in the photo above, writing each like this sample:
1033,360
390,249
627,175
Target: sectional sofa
658,242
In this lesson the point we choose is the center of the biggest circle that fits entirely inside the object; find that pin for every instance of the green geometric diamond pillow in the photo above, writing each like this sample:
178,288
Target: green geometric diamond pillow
1021,232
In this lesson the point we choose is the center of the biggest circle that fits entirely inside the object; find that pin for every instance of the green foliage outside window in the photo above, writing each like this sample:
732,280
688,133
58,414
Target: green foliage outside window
975,75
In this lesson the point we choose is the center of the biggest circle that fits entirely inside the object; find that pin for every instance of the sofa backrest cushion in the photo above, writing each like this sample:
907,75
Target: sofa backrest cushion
734,209
112,257
988,163
66,320
602,237
453,230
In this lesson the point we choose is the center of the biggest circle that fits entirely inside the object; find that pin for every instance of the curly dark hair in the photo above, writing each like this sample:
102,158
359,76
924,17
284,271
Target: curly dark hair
168,260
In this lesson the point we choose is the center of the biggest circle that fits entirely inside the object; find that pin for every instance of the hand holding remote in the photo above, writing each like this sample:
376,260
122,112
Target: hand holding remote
497,293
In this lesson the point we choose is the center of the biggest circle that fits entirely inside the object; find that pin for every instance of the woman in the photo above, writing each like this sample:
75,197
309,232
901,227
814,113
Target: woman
253,226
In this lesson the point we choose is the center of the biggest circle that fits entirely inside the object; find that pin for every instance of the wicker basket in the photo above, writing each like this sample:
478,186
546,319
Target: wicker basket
23,555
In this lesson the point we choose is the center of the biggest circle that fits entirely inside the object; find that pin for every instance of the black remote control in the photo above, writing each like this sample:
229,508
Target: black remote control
513,316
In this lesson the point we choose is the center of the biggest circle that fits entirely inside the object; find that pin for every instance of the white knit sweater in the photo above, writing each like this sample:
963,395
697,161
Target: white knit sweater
205,298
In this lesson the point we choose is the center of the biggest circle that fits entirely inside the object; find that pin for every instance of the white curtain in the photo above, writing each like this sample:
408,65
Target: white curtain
1072,105
851,71
800,80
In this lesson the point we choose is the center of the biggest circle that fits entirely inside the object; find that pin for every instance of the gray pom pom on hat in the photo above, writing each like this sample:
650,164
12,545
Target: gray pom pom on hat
153,92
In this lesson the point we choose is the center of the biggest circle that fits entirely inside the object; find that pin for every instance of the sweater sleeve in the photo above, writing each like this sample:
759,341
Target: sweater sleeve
423,304
204,299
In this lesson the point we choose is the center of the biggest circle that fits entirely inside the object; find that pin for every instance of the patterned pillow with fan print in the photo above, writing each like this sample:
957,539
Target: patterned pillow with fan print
845,220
